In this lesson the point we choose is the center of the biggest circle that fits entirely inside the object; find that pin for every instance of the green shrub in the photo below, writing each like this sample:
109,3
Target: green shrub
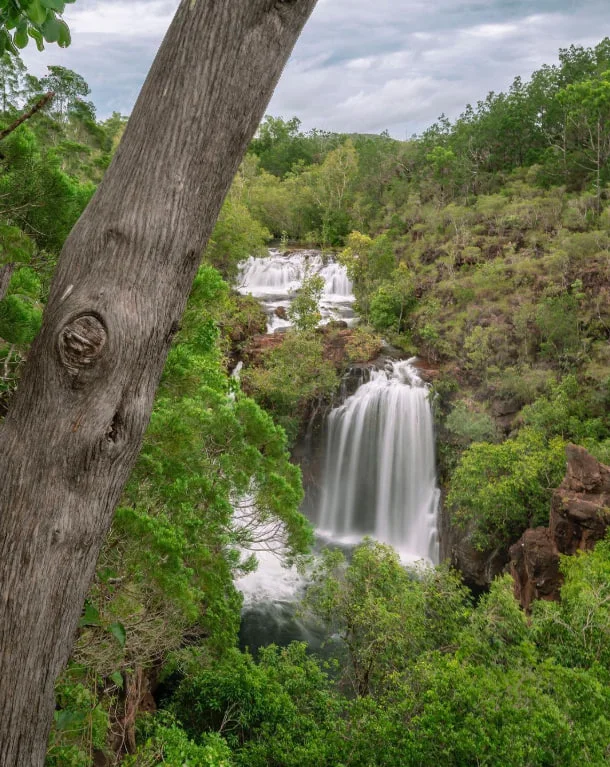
280,710
502,489
468,425
290,377
165,742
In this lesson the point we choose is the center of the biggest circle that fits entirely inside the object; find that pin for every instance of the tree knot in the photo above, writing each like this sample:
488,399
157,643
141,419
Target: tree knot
81,342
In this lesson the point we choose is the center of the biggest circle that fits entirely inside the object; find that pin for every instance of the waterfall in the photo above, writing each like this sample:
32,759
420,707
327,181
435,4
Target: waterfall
275,279
336,281
377,472
379,477
275,275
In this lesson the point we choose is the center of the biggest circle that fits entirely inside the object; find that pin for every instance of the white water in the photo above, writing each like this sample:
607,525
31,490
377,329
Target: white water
379,480
275,279
379,476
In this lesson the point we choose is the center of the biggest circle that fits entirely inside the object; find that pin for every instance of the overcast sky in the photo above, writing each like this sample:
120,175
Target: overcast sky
360,65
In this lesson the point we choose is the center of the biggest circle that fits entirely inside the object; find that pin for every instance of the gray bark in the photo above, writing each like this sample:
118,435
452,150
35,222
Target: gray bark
6,272
77,420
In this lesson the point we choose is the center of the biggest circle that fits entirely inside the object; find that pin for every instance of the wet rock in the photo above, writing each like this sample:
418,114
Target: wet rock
352,380
426,370
259,345
281,312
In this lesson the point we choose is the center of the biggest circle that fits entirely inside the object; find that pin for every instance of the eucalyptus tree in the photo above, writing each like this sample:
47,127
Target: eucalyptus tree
77,420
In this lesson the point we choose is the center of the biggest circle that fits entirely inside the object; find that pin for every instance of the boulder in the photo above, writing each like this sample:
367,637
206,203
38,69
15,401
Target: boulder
534,565
478,568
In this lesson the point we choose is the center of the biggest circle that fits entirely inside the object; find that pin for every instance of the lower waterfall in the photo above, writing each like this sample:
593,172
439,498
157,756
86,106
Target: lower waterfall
380,472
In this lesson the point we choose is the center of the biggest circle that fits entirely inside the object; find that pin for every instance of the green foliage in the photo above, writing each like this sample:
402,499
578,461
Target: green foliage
455,684
80,724
363,345
280,710
38,196
165,742
304,311
370,262
37,19
69,88
236,236
290,377
384,614
473,714
280,146
469,425
501,489
393,301
566,413
557,320
20,317
577,628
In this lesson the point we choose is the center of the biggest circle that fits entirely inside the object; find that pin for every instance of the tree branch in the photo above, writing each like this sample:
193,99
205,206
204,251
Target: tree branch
42,102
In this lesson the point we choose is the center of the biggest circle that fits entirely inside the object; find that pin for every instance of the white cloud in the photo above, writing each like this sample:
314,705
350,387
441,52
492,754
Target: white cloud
147,18
360,65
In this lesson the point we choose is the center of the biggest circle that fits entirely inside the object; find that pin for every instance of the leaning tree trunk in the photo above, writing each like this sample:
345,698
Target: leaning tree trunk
77,420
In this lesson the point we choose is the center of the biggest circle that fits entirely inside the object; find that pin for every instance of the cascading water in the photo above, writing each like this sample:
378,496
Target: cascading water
379,476
275,279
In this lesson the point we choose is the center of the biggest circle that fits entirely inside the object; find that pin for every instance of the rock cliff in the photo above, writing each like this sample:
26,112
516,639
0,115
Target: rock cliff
580,514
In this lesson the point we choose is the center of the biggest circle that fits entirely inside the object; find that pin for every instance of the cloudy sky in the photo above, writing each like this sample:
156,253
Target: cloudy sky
360,65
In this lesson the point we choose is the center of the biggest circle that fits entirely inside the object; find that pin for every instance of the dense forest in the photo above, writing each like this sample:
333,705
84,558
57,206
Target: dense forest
483,247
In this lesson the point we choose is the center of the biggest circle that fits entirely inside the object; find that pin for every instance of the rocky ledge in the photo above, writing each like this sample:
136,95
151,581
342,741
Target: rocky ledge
335,335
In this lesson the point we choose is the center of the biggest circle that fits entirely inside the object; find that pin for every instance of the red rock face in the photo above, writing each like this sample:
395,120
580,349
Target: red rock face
534,565
580,514
580,508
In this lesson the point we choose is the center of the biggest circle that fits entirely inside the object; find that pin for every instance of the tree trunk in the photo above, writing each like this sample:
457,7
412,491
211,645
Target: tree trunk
76,423
6,272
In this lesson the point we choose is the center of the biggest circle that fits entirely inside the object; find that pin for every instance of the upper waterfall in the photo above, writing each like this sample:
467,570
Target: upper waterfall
275,279
380,476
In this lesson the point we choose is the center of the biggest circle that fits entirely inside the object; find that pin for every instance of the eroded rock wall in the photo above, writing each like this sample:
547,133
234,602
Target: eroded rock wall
580,514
